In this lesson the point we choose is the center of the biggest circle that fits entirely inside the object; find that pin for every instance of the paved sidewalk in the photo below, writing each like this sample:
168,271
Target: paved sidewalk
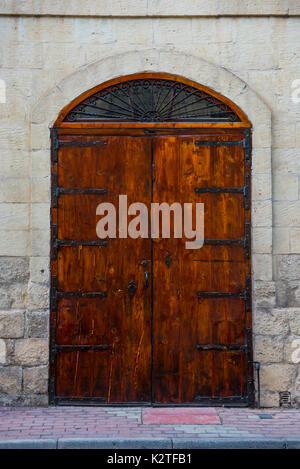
163,426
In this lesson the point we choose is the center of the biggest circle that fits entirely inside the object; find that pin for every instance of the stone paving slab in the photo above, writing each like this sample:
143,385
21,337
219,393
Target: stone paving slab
58,426
183,416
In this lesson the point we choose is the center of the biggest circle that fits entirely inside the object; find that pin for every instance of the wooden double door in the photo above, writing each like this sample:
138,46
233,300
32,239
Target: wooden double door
148,321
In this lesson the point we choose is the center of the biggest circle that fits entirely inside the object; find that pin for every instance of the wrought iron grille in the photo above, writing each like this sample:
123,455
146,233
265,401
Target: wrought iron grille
151,100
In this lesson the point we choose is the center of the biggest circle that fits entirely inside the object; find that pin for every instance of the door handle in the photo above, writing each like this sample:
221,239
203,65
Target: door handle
132,287
146,283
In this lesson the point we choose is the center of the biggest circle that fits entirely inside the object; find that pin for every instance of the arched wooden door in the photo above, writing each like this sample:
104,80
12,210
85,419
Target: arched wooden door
147,321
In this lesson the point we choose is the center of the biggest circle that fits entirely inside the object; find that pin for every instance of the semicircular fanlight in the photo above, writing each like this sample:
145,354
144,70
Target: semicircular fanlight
151,100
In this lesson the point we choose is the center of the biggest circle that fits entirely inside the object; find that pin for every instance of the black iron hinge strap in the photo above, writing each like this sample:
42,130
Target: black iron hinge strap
247,240
214,143
247,144
74,143
220,347
245,294
82,347
67,242
57,294
225,242
53,296
98,191
56,191
70,242
247,191
205,294
81,294
220,190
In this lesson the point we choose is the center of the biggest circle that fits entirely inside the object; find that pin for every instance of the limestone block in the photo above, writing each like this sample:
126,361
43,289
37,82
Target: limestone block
150,61
273,323
102,30
46,111
168,31
262,240
2,352
261,160
263,80
297,386
40,189
193,69
13,217
37,324
294,320
288,293
295,241
277,377
244,54
40,164
22,55
39,270
268,350
20,84
14,162
288,267
264,294
14,190
40,216
269,399
35,400
15,110
262,267
287,213
163,7
65,56
14,269
10,379
38,297
13,296
262,213
262,187
283,135
40,133
294,8
34,30
130,62
40,243
298,134
292,349
261,135
205,50
219,30
35,380
281,240
31,352
286,160
285,187
11,324
14,243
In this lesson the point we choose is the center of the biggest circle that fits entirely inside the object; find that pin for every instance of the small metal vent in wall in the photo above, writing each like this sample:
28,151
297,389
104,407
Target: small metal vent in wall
285,399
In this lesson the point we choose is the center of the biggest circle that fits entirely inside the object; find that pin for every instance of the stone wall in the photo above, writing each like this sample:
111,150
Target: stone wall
47,60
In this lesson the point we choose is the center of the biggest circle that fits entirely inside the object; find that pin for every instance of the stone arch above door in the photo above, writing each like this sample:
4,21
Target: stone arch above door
194,68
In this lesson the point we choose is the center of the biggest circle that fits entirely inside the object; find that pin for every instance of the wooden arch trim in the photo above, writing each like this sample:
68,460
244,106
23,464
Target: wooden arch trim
59,123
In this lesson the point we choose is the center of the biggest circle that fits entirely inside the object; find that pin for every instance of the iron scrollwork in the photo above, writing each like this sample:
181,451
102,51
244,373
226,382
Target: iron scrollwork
152,100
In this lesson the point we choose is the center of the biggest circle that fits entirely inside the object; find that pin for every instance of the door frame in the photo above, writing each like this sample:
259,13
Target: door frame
146,129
